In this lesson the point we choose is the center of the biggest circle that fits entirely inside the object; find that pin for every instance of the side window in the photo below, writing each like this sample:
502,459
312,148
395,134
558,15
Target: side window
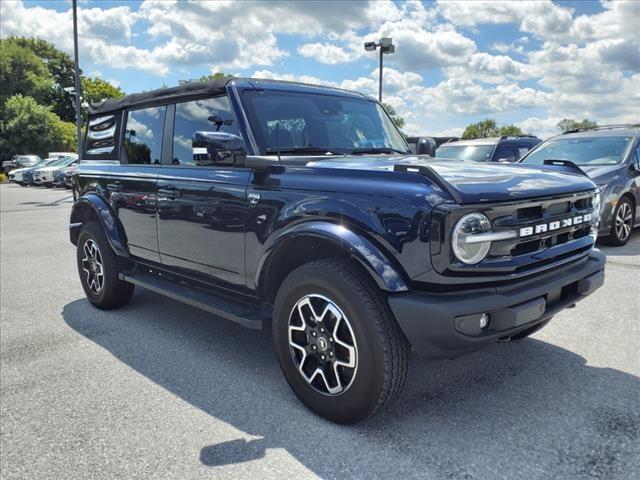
143,135
505,153
637,156
101,136
522,150
206,115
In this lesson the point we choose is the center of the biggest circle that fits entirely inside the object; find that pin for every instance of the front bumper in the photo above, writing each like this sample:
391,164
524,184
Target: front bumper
447,325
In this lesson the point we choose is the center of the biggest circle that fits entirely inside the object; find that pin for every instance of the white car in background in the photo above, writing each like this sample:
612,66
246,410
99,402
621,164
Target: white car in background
24,176
44,175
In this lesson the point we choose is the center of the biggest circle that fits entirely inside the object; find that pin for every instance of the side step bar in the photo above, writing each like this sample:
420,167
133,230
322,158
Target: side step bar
246,314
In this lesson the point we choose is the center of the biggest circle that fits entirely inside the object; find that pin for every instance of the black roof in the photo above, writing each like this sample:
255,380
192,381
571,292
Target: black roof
162,94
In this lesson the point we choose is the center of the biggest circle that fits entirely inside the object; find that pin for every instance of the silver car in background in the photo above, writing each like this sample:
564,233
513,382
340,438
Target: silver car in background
610,156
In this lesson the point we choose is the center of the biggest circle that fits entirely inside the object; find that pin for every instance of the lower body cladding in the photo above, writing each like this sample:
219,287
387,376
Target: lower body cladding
448,325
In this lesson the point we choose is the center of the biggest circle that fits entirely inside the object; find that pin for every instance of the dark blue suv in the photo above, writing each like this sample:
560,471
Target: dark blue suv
508,148
300,206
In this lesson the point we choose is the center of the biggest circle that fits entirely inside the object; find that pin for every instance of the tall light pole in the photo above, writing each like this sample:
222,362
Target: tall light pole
386,46
77,77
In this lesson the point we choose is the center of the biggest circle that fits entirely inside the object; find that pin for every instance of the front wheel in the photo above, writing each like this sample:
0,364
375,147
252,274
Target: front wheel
99,269
339,346
622,223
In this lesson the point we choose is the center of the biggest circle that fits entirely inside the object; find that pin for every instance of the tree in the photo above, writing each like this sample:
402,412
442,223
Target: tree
397,119
509,130
27,127
96,90
22,73
567,124
213,76
488,128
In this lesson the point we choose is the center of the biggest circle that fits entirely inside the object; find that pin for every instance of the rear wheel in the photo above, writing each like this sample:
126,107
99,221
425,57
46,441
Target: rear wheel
339,346
99,268
622,223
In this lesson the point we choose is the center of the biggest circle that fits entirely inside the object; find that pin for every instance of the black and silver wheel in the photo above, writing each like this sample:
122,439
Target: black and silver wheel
322,344
99,267
92,266
339,346
622,222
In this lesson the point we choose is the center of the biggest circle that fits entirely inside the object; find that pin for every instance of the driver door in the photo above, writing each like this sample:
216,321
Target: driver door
202,206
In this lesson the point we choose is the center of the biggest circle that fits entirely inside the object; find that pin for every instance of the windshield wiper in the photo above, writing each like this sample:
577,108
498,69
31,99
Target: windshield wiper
308,149
357,151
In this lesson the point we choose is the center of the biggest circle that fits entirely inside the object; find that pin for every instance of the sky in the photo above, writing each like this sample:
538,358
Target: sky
530,63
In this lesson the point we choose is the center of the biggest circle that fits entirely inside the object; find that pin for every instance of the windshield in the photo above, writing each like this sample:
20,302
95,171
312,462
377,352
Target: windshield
320,124
477,153
581,150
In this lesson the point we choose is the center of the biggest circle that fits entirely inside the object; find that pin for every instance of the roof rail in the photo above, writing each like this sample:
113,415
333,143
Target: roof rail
603,127
503,137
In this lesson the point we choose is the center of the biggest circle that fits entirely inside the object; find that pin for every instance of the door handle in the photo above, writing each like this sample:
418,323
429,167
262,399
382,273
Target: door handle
170,192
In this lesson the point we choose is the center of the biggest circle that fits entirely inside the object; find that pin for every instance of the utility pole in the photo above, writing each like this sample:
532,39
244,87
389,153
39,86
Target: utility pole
77,77
386,47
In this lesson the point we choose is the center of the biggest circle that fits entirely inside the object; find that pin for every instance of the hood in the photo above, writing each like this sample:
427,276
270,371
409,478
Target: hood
476,182
597,172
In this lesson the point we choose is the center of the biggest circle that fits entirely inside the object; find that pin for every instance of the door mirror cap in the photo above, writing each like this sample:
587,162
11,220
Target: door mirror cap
215,148
426,146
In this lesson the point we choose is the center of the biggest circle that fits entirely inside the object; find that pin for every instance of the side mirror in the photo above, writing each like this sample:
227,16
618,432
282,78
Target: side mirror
426,146
210,148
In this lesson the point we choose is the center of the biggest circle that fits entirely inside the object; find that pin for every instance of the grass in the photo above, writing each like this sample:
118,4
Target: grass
3,178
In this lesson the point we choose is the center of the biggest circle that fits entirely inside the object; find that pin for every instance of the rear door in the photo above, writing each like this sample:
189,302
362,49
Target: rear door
202,207
132,188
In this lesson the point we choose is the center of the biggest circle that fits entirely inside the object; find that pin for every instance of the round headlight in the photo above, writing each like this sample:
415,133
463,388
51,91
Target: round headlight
464,247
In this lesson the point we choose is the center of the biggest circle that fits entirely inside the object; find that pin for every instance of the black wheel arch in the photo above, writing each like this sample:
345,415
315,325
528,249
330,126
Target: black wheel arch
92,207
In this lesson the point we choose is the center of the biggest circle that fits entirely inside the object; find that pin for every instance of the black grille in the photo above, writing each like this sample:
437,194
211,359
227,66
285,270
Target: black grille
525,252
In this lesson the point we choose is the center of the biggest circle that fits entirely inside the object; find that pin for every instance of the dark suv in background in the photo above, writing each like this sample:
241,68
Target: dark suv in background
508,148
610,155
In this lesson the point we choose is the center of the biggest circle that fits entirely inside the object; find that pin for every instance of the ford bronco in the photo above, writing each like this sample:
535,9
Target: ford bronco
299,206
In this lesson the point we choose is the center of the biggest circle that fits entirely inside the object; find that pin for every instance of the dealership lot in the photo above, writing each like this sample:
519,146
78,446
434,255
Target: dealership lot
161,390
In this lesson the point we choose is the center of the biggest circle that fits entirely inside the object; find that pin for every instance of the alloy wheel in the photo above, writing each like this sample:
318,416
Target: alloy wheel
623,221
322,344
92,266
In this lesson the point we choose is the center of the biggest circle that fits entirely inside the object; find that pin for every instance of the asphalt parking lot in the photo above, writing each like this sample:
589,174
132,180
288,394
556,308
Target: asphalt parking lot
161,390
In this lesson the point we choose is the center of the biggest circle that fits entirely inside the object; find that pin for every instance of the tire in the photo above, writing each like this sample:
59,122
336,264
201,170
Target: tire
530,331
105,291
379,351
621,223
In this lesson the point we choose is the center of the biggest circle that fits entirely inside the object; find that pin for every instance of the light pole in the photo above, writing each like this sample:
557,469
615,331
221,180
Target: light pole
386,47
77,77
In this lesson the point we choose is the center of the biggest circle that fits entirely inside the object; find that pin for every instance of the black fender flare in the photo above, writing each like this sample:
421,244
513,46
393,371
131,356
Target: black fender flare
381,269
90,205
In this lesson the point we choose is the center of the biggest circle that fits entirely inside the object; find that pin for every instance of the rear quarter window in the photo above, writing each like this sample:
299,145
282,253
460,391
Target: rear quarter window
102,137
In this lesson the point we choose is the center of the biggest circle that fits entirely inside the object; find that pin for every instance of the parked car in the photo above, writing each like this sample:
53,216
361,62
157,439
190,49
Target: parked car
63,177
20,164
23,175
302,207
7,165
610,155
508,148
44,175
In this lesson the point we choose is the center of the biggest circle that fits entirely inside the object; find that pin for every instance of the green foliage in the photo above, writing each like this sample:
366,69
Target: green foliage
567,124
213,76
96,90
28,127
22,73
397,119
61,68
489,128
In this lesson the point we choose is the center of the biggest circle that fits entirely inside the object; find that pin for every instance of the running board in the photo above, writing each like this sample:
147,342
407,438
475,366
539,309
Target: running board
242,312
